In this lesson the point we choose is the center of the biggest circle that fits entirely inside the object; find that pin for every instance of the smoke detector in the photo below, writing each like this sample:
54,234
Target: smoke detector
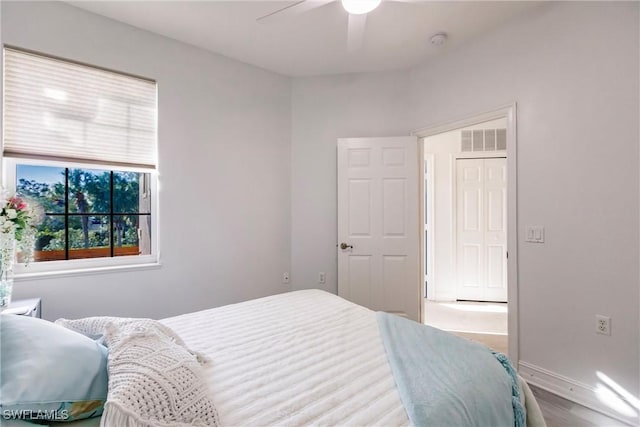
438,39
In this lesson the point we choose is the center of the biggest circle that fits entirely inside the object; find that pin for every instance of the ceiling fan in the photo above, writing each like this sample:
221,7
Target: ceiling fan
357,9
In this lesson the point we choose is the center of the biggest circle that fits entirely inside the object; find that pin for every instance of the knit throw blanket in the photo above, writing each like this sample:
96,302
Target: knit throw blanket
154,379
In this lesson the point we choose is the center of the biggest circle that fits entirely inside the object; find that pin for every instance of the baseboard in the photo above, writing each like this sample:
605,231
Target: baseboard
569,389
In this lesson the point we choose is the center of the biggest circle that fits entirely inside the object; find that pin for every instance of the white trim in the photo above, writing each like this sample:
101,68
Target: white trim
85,272
508,112
512,233
421,215
75,266
453,230
470,120
65,268
569,389
12,161
429,274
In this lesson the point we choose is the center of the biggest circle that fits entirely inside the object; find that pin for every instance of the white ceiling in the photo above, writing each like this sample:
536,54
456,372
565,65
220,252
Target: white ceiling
315,42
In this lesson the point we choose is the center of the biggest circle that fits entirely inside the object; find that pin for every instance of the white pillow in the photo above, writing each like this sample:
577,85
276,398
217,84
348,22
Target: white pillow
154,379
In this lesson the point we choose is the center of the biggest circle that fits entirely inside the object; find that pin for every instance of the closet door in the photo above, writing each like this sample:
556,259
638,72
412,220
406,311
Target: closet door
481,229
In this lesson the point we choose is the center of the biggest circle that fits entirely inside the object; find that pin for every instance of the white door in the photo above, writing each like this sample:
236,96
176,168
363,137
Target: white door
378,224
481,229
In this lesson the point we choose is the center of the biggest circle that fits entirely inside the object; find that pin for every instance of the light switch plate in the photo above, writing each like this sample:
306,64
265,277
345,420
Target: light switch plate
534,234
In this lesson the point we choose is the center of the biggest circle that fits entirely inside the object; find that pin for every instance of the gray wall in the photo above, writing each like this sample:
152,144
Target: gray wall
254,152
224,158
325,109
573,70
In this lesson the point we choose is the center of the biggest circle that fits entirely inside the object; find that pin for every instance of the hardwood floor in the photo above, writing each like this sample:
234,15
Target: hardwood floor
559,412
478,321
495,341
466,316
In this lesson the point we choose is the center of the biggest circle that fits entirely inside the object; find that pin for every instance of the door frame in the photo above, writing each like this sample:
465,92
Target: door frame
509,112
429,228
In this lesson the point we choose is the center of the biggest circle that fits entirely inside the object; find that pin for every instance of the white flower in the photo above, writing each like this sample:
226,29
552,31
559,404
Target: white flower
11,213
9,228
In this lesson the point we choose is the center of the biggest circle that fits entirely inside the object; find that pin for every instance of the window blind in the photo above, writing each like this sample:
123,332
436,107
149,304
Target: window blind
63,110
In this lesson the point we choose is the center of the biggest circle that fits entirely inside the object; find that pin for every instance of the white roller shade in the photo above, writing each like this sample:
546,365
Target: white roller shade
64,110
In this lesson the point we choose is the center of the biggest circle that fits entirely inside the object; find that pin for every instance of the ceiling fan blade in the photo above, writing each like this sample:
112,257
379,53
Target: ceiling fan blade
355,31
293,9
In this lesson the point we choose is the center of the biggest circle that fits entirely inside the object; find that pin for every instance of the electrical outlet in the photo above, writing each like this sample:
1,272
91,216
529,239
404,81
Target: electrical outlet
603,324
285,277
322,278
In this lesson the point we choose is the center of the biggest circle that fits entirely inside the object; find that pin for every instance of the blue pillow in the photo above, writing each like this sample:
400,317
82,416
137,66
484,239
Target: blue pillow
49,372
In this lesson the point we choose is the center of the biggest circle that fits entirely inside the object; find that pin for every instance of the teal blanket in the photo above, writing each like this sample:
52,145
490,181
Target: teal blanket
445,380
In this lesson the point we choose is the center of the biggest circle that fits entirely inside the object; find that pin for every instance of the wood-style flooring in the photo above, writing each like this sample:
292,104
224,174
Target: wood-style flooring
494,341
559,412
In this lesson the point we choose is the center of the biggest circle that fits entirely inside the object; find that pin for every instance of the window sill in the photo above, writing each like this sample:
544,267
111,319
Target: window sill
23,277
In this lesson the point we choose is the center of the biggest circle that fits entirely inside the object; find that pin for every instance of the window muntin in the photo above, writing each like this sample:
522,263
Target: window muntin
88,212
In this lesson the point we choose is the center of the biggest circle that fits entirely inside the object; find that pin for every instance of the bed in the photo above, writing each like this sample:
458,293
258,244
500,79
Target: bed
306,358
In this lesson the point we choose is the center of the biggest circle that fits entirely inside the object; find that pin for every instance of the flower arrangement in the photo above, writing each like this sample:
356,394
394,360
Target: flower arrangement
18,221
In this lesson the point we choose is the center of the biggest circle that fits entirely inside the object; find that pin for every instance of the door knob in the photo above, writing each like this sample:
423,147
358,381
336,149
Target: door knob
344,246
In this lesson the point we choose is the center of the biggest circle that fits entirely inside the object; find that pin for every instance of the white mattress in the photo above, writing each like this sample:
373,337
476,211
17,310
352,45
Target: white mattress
300,358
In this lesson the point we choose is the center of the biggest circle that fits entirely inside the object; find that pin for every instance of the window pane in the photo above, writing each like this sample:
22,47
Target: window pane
132,234
90,222
89,236
89,191
50,239
42,184
131,192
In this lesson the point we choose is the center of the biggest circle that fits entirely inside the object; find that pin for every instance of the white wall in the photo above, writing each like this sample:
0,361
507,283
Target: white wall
325,109
443,148
224,157
573,70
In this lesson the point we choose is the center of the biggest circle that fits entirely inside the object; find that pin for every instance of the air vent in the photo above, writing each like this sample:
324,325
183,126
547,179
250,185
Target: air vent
466,141
483,140
490,140
501,139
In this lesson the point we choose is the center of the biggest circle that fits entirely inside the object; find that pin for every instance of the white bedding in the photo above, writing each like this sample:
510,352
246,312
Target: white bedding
300,358
297,359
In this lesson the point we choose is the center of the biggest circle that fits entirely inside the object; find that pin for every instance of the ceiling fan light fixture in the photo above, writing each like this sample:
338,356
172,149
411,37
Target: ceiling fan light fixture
359,7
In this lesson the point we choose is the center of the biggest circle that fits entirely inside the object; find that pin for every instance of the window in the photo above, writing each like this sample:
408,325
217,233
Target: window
80,141
88,213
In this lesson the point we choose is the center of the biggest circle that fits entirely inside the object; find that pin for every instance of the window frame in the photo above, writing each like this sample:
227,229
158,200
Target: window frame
93,265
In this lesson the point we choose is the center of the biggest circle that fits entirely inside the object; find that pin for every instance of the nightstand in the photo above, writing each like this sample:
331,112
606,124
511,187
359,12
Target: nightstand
25,307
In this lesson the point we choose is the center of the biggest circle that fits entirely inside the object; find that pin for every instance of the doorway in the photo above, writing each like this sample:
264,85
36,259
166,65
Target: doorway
469,222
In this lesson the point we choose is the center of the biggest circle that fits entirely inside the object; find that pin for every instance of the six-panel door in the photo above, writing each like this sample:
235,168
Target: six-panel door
378,209
481,229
